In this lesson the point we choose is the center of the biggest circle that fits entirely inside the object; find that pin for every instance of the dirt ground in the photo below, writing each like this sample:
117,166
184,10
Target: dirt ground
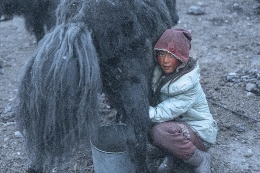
226,42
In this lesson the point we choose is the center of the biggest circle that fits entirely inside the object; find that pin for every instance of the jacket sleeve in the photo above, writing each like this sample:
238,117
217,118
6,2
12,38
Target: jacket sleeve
173,107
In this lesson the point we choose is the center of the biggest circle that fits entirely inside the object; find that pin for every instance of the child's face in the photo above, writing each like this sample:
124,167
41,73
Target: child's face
167,61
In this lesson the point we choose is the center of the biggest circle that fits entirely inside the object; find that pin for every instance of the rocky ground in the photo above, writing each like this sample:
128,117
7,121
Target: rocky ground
226,42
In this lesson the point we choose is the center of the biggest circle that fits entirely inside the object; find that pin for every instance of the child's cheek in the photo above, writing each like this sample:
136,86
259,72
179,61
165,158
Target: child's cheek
159,61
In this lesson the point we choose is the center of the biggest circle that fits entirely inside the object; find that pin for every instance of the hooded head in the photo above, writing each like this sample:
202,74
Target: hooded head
176,42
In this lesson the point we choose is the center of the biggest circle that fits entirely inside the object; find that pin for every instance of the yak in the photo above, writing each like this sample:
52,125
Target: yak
39,15
96,46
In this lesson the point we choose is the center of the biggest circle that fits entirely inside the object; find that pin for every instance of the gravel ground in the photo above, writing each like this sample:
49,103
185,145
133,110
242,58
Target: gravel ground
226,42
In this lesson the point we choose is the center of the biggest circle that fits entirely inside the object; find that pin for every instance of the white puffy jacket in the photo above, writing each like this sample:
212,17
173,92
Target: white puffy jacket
184,100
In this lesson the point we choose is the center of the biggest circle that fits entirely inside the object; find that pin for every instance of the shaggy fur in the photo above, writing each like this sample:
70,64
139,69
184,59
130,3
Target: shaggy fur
39,15
58,94
95,43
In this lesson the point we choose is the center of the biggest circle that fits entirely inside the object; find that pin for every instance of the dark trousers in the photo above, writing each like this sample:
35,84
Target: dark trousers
176,138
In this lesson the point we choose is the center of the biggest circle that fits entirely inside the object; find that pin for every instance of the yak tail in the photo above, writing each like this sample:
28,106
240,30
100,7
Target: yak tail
59,85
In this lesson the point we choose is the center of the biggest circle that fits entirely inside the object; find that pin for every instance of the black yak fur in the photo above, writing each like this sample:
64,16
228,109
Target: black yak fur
96,43
39,15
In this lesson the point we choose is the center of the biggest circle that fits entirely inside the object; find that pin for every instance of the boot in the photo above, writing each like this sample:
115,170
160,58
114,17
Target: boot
167,166
201,161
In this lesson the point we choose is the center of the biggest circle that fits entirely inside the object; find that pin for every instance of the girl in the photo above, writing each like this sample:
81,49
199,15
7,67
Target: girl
182,123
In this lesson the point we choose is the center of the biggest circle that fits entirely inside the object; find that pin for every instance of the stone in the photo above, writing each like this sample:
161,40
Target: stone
250,86
196,10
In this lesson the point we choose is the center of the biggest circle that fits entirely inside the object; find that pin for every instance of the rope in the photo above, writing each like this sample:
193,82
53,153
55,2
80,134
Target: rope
235,112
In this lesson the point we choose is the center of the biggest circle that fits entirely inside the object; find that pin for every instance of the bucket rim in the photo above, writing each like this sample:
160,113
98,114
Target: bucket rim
115,124
108,152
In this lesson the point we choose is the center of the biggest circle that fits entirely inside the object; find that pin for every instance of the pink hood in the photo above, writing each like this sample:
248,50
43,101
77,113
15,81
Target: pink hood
177,42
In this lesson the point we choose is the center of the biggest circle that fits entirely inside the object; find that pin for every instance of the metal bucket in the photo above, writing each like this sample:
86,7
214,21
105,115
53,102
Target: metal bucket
109,150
